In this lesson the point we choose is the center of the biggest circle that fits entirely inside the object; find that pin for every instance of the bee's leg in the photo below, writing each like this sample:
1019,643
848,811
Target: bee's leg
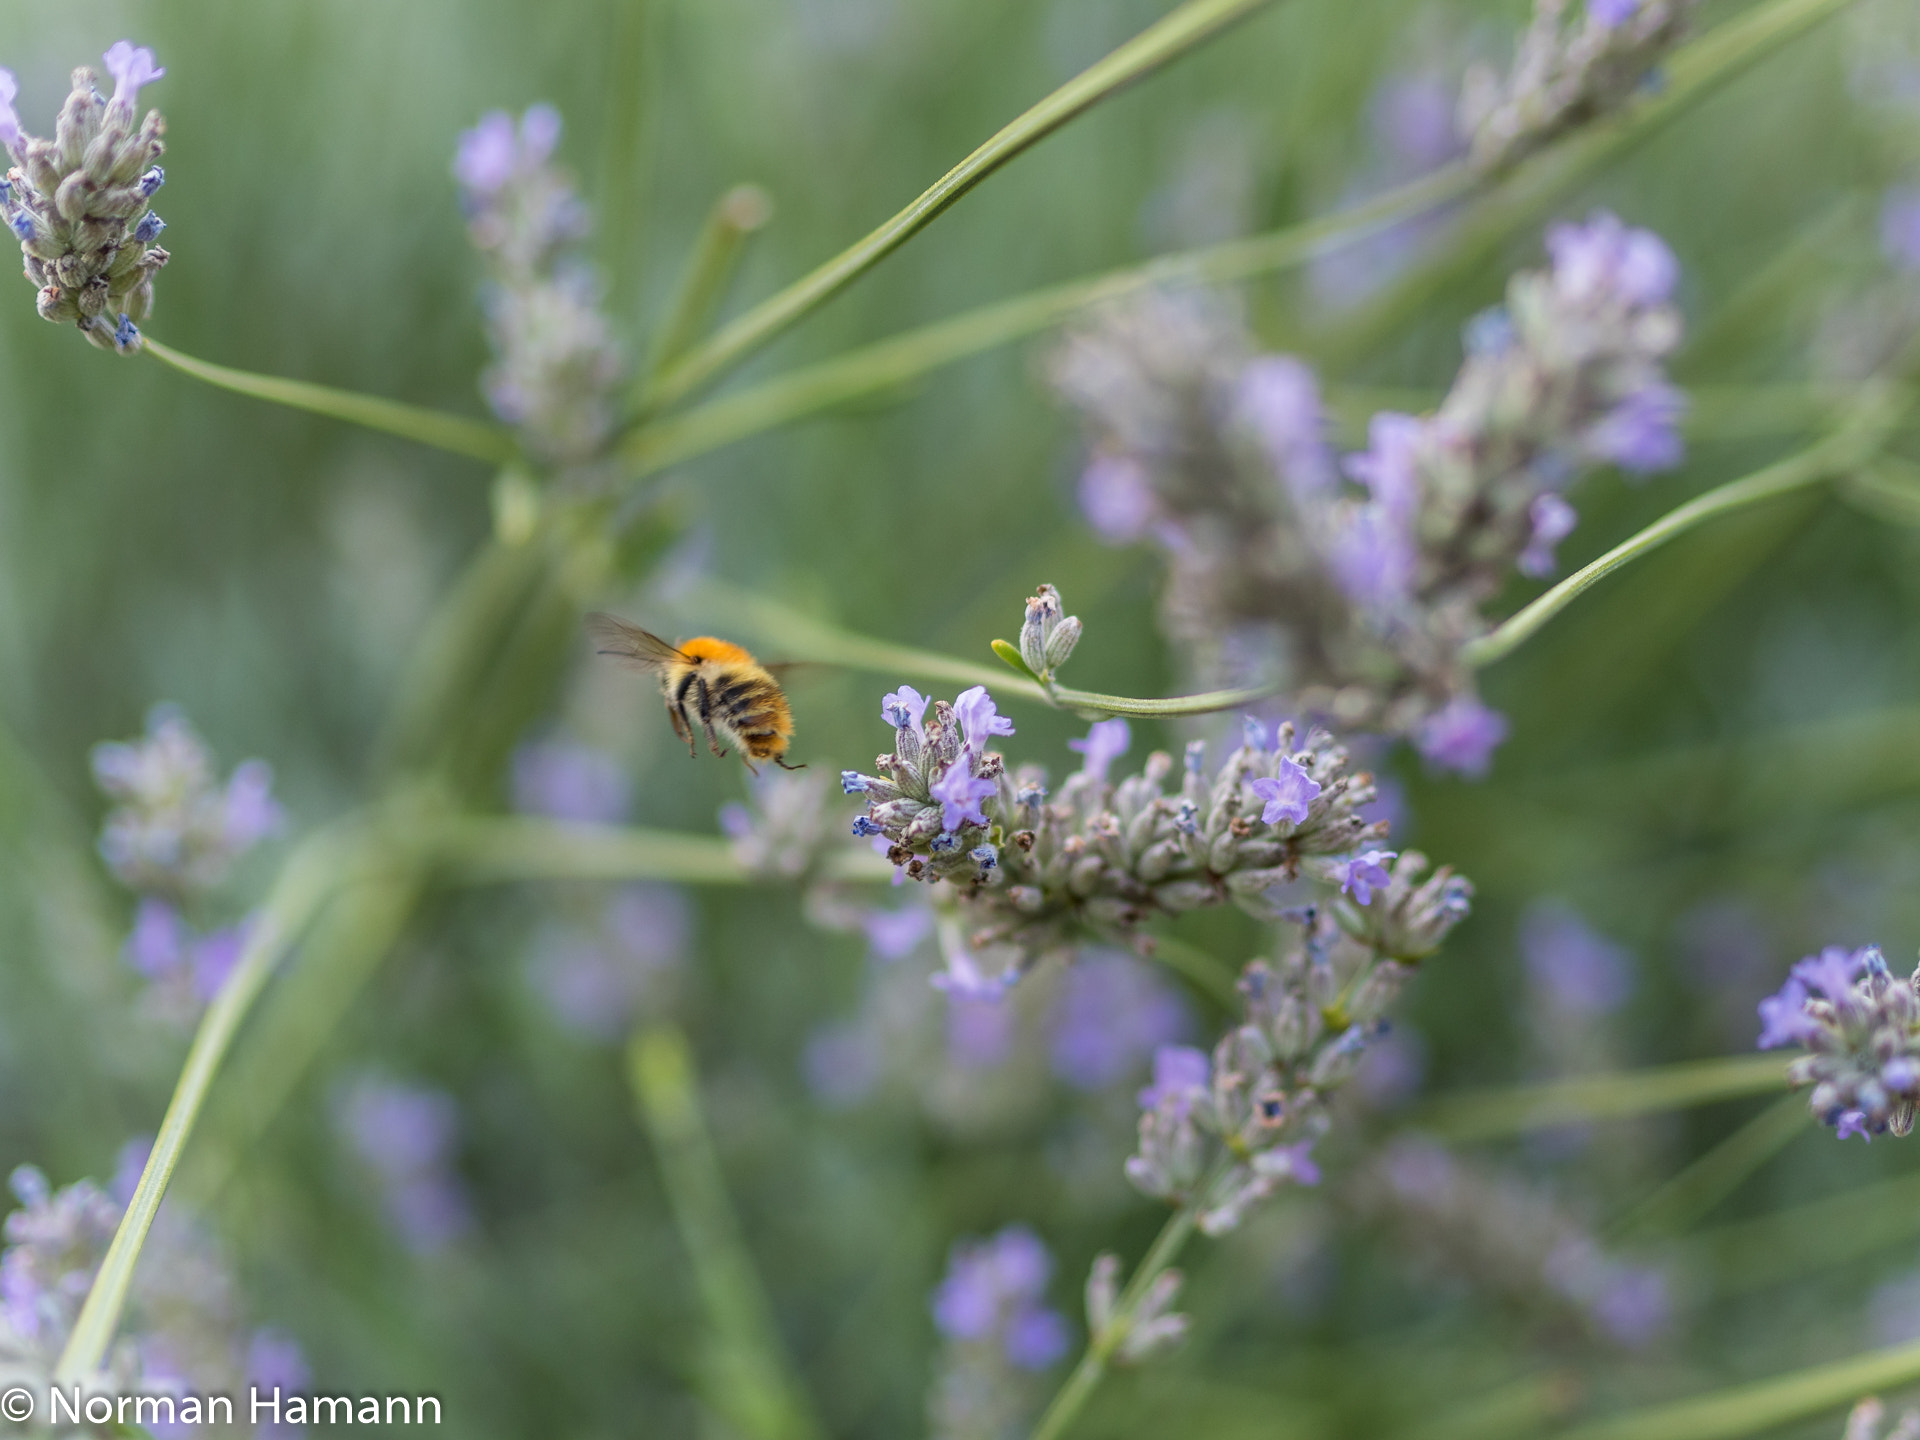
749,764
679,719
784,766
705,698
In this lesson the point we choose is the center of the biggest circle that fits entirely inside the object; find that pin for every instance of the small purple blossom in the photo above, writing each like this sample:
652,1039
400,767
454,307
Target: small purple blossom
575,783
1606,260
1642,433
9,118
1112,1013
1611,14
979,718
960,792
1181,1073
1636,1306
1852,1122
131,66
893,934
1290,1162
1106,741
964,978
980,1029
1278,400
1784,1019
1461,736
594,978
1833,971
1553,520
1899,222
1117,498
1372,557
994,1289
158,941
903,707
1390,466
1287,795
490,153
1362,874
1582,973
405,1135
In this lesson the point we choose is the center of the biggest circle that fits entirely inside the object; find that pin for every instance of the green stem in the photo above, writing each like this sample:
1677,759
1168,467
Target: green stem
716,257
1680,1203
1092,1369
1840,451
1211,975
454,433
1488,1114
1749,1409
1696,71
1172,36
620,222
488,849
747,1380
889,364
1087,702
303,887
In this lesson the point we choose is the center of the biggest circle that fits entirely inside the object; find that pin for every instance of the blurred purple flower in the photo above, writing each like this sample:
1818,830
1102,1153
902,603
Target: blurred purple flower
1180,1073
841,1063
1580,972
1106,741
980,1030
893,934
1900,226
1784,1019
903,707
1278,400
1613,13
405,1134
1113,1012
1606,260
9,118
1461,736
576,783
994,1289
1553,520
595,979
1117,498
1635,1308
1642,433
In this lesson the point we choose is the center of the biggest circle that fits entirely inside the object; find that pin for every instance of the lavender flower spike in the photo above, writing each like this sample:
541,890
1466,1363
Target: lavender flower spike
1860,1028
78,202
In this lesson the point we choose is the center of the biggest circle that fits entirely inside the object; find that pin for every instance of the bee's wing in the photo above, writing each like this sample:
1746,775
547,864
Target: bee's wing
614,636
784,668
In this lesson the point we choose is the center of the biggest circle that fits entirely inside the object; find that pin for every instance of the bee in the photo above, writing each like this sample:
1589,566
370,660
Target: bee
711,685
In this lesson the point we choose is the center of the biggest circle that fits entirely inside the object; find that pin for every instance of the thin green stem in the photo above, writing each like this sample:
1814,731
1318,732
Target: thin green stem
304,884
1750,1409
1088,702
1092,1369
1696,71
710,269
1172,36
453,433
622,152
1487,1114
747,1377
1679,1204
889,364
481,849
1847,448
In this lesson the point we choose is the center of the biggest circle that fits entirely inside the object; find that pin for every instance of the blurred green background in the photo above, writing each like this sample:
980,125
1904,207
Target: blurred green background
1730,724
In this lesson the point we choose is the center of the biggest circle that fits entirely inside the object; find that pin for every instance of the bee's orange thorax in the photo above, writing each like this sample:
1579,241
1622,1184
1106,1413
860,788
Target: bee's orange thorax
705,647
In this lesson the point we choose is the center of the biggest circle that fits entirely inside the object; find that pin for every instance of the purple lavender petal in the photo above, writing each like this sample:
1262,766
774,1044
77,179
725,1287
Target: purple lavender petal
1288,796
1553,520
131,66
1113,1012
1363,873
576,783
979,718
1180,1073
1581,972
1278,399
1106,741
960,792
1037,1338
1461,736
896,933
9,119
158,942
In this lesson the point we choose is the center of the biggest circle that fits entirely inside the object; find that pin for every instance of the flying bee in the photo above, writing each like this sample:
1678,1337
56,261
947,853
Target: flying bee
711,685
